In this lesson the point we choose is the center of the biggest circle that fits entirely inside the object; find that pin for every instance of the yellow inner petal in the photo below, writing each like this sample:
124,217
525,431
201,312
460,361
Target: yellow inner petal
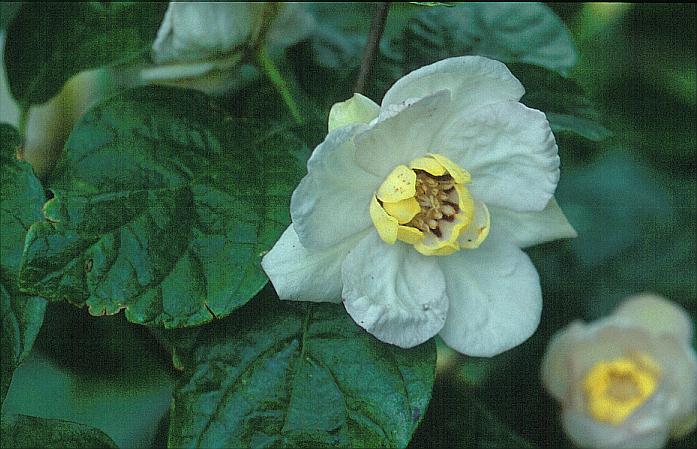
403,210
399,185
616,388
385,224
427,205
428,164
460,175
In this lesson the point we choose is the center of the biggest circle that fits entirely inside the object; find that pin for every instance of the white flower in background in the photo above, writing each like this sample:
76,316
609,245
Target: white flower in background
628,380
49,124
414,212
202,45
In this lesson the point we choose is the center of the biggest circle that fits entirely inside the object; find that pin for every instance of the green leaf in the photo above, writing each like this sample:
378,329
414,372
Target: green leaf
163,206
511,33
21,431
563,100
48,42
299,375
485,430
21,198
609,202
457,417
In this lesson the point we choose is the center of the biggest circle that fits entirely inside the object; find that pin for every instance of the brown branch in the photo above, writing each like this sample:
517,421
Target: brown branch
377,27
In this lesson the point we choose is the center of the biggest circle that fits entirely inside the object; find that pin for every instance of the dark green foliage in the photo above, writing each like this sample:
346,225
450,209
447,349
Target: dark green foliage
48,42
298,375
21,199
20,432
163,206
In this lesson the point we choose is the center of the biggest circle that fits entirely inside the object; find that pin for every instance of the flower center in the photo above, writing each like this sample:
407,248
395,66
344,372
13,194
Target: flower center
616,388
427,205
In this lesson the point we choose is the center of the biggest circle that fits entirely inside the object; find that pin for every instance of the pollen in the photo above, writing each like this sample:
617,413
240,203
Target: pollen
614,389
428,205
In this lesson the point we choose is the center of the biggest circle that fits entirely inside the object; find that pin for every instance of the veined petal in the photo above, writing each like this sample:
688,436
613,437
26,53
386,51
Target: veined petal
401,134
473,81
306,275
657,315
509,150
393,292
532,228
495,298
357,109
332,201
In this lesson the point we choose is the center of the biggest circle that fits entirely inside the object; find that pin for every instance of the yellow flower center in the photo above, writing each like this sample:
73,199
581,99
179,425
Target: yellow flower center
427,205
614,389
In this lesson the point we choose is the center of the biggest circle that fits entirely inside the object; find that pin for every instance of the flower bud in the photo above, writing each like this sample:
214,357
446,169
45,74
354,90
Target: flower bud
202,45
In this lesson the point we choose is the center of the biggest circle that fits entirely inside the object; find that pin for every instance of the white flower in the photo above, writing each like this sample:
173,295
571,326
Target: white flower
49,124
202,45
414,212
628,380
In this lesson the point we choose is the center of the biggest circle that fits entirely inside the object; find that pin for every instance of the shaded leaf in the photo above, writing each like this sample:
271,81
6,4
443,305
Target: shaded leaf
458,418
48,42
608,214
566,105
21,197
163,206
21,431
512,33
299,375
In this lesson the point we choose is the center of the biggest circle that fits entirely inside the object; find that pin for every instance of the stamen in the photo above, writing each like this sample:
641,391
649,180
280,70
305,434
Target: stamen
435,217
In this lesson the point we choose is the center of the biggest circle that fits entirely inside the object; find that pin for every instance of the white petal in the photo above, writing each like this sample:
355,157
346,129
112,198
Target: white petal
197,31
657,315
555,364
357,109
532,228
495,298
473,81
588,433
292,24
401,133
393,292
332,202
509,150
305,275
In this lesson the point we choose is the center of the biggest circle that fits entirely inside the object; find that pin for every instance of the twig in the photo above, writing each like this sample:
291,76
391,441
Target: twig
280,84
377,27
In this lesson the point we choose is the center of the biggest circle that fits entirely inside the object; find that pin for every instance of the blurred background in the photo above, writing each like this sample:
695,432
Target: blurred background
631,197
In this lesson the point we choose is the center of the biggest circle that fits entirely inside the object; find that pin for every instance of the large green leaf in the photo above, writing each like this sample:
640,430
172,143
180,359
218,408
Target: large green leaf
563,100
48,42
611,215
21,198
163,206
21,431
528,37
458,417
511,32
299,375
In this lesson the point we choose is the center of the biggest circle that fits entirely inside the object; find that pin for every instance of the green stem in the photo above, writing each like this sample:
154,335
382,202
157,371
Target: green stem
280,84
23,121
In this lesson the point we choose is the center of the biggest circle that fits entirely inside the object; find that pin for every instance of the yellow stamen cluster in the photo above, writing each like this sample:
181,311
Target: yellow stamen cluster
437,200
427,205
616,388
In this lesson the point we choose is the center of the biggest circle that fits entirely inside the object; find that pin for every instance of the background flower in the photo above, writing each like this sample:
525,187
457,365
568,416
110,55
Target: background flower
203,45
356,214
627,380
